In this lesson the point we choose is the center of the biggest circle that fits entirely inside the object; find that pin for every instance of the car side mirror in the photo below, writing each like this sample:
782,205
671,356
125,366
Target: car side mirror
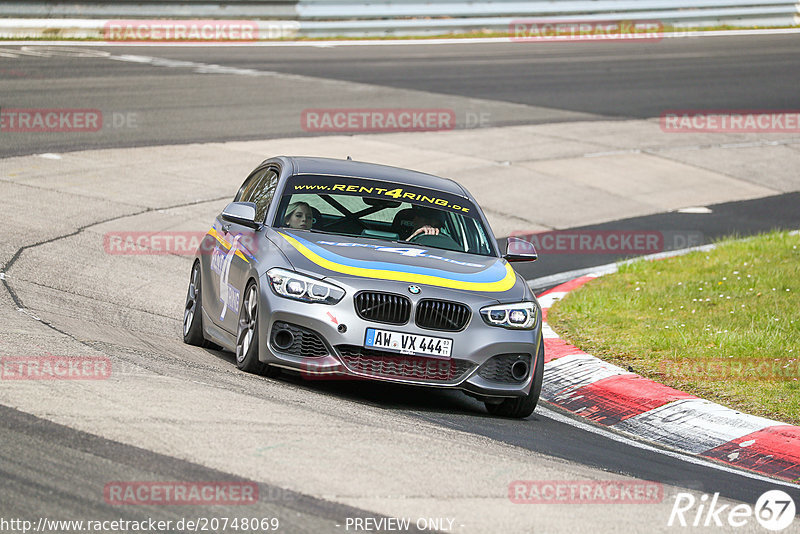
520,250
243,213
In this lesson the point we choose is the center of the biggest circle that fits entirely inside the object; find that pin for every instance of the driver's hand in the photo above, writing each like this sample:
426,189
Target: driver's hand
427,230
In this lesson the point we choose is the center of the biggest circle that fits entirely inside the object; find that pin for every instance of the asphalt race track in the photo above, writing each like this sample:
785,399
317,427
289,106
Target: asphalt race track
498,84
181,128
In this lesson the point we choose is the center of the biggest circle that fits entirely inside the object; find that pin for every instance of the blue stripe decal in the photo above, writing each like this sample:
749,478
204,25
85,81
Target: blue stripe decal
493,273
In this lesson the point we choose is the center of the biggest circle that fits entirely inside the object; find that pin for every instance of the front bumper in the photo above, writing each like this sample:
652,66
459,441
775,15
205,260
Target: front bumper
342,333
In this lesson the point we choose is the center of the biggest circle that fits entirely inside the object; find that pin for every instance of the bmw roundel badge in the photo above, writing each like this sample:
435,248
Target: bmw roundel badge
414,290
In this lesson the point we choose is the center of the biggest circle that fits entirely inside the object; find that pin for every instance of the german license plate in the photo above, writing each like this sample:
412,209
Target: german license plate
416,344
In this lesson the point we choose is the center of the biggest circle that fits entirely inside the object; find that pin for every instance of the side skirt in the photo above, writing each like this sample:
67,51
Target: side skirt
217,335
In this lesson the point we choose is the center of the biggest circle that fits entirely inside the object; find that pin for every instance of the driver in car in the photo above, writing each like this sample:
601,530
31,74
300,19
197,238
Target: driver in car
426,221
299,216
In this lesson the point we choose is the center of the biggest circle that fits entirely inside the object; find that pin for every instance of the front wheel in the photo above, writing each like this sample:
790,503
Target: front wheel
521,407
247,333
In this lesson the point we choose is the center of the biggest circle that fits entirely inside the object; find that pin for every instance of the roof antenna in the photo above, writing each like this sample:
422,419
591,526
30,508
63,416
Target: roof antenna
349,158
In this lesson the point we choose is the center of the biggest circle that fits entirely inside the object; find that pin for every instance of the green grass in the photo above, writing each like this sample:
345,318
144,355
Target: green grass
723,325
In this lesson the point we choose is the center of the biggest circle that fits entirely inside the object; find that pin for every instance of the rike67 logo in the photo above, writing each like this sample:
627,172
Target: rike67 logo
774,510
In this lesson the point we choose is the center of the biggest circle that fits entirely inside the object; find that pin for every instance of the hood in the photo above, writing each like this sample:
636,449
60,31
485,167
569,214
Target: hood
339,256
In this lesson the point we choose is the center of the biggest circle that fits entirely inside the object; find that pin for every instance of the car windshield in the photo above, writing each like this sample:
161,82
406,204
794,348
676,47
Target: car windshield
381,210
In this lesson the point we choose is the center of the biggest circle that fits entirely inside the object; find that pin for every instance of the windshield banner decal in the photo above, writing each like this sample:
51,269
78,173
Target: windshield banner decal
384,190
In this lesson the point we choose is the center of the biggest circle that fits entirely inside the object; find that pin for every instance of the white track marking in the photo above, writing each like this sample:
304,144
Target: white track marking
693,425
546,301
566,374
198,68
577,423
695,209
547,332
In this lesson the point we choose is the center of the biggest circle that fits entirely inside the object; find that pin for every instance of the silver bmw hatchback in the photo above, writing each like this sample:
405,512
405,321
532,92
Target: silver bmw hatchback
343,269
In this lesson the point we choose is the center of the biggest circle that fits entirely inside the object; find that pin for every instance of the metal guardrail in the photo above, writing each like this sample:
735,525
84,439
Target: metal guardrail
346,9
143,9
409,17
353,18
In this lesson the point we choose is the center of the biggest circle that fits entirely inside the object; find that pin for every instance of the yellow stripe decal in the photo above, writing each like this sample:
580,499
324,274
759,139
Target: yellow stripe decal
504,284
213,232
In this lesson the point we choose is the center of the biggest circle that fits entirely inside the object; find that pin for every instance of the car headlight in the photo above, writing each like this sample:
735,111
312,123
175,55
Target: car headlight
518,315
300,287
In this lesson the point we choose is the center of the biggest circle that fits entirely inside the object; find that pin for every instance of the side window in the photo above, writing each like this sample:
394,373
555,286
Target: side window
259,189
246,191
262,196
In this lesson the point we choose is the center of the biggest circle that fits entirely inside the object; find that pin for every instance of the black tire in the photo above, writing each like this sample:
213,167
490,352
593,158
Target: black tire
192,312
247,332
521,407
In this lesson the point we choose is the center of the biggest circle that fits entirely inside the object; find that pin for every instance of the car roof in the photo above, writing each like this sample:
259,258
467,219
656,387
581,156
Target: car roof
360,169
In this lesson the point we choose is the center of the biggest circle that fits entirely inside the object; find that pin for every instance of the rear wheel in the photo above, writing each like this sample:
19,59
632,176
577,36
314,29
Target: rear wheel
192,313
520,407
